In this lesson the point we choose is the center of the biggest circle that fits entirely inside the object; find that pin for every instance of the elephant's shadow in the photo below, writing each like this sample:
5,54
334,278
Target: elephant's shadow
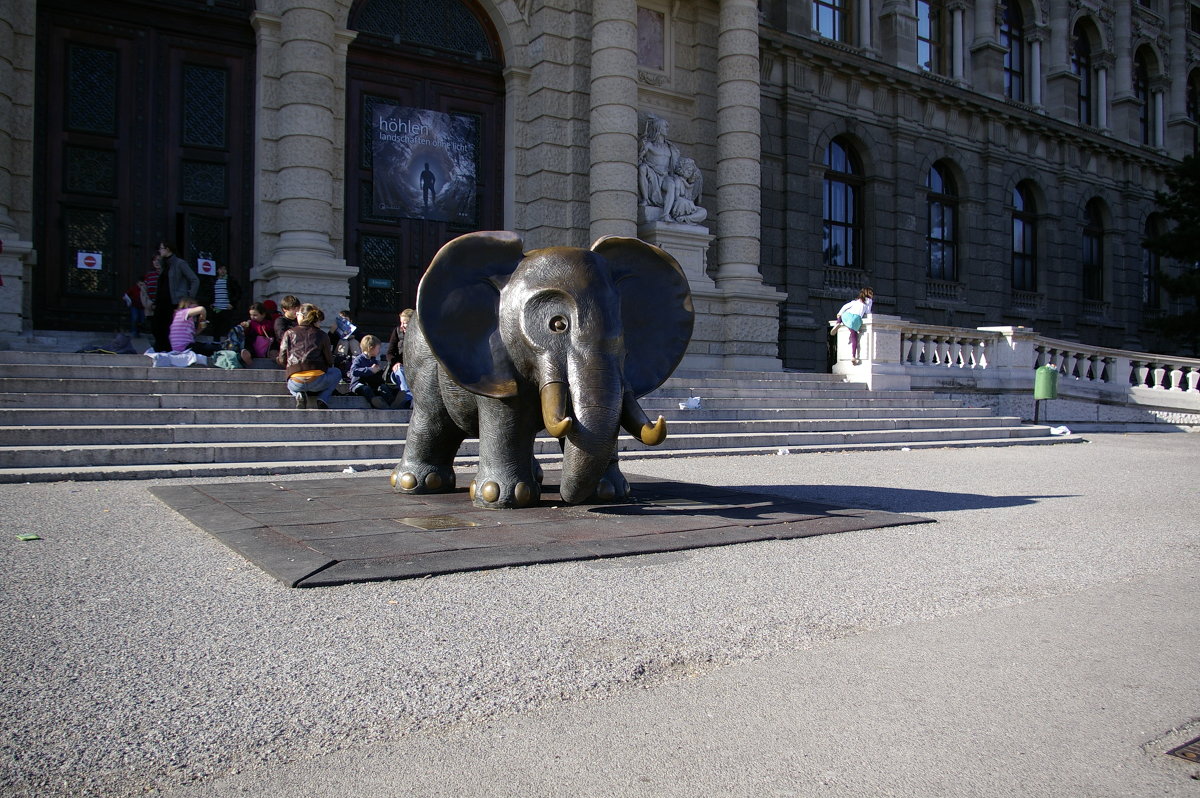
660,499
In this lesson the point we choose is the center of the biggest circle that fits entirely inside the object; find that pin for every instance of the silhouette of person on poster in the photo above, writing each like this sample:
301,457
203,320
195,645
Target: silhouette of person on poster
428,184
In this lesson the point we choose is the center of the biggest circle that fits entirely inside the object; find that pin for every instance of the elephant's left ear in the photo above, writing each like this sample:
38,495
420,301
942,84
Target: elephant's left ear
656,309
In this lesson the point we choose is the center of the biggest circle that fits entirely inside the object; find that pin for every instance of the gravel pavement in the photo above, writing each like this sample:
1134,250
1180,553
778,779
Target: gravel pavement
143,656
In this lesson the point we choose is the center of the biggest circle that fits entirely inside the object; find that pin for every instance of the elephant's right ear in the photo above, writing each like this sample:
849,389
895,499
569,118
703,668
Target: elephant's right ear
458,307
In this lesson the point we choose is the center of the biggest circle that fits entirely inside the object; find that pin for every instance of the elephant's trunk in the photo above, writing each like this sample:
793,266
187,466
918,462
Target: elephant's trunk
589,445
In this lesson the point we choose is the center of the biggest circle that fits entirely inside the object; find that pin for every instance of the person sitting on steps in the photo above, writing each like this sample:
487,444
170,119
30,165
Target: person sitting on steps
307,358
367,378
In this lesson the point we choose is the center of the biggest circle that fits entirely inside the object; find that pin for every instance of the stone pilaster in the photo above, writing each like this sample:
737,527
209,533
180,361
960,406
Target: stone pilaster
17,257
612,122
300,124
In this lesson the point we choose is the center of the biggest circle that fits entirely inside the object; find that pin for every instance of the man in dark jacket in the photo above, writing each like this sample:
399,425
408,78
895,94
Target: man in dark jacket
177,281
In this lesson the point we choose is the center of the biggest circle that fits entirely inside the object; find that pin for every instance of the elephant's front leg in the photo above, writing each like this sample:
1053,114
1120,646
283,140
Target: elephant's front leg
507,471
613,486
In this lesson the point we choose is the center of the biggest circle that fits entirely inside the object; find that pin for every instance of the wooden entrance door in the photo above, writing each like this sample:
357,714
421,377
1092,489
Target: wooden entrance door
144,134
391,249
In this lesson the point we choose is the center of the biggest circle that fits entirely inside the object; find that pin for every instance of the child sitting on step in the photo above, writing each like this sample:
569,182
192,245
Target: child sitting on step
367,378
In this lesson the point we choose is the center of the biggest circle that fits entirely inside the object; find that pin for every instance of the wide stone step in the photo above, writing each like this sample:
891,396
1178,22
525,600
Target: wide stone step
346,461
83,403
231,385
29,371
304,456
276,397
308,443
77,416
392,425
286,414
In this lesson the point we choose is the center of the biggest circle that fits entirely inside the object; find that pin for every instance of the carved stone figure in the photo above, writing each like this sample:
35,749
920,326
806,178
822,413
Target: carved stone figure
506,343
656,160
681,190
669,184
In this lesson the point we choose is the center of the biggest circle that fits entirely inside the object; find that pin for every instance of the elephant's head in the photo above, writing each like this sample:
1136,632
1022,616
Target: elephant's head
584,332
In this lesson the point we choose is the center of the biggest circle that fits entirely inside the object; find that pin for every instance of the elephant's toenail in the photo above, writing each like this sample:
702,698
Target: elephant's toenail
471,491
490,491
522,494
408,480
433,481
605,491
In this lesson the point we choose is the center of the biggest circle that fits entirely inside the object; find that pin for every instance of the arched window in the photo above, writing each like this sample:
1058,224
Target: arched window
931,36
1141,92
1092,254
1024,240
1012,40
829,19
841,233
942,206
1151,296
1081,65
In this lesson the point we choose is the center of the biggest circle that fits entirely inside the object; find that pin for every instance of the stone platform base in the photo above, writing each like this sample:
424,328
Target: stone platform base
322,532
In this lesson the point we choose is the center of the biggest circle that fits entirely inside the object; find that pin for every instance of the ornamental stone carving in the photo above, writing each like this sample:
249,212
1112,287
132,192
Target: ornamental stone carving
669,184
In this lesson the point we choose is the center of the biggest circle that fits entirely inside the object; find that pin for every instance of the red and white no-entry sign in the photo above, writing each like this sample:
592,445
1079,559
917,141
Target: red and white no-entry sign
89,260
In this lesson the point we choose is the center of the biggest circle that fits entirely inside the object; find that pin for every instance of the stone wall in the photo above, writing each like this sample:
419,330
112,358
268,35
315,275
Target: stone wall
900,121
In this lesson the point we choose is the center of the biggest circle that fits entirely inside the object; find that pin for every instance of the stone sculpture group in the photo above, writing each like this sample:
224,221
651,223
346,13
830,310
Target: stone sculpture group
669,184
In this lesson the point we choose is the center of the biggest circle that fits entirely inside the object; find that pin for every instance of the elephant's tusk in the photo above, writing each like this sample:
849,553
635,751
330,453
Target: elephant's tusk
554,409
637,424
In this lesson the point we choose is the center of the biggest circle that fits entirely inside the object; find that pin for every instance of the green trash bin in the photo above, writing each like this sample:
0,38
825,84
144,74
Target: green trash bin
1045,383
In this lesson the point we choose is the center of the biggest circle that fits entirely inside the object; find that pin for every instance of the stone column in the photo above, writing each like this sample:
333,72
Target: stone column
957,43
16,167
1180,129
865,18
1035,70
751,309
987,56
738,146
301,53
1158,97
1102,66
613,122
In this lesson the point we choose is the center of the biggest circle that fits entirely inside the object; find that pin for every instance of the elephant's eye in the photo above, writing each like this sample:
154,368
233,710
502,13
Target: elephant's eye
558,324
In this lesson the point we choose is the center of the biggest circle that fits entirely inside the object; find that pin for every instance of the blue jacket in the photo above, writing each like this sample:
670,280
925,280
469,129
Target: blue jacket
360,371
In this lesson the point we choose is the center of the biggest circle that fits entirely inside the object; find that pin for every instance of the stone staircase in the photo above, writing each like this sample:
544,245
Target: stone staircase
84,416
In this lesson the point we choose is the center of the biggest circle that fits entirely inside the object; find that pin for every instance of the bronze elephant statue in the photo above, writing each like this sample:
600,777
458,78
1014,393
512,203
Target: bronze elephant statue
506,343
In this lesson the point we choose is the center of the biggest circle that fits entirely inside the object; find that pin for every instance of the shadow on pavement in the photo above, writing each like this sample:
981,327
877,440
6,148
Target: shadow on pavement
900,500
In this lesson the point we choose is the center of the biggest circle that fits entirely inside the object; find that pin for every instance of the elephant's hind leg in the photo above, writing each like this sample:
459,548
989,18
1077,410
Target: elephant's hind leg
428,464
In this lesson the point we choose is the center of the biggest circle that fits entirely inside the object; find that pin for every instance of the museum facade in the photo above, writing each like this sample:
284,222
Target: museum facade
976,163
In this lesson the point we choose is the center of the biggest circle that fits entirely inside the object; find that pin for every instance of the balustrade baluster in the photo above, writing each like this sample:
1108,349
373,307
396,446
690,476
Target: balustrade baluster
1140,371
955,358
1160,375
1077,365
1193,380
1177,378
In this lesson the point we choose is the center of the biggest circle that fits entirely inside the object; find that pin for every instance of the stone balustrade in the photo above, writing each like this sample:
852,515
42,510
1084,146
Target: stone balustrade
899,355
